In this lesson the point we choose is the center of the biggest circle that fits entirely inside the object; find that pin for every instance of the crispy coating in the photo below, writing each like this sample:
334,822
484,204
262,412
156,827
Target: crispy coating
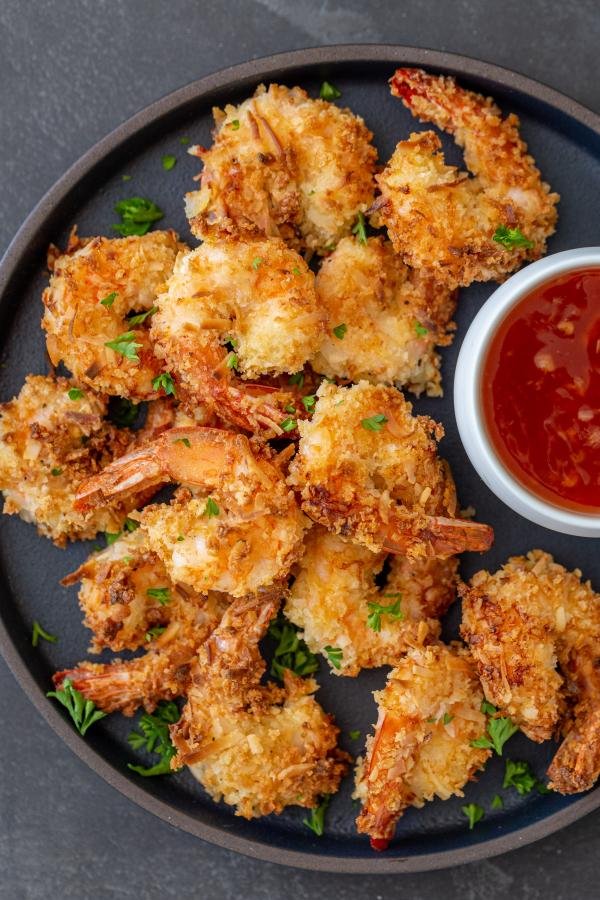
428,714
440,219
379,480
245,539
334,584
284,165
523,622
394,318
258,295
129,272
257,746
48,444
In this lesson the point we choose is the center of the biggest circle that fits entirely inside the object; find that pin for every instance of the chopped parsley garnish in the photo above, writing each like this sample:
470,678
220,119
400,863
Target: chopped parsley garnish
109,299
141,317
288,424
420,329
168,162
180,538
123,412
497,802
234,124
316,822
296,271
257,262
291,652
377,610
335,655
184,441
126,345
163,595
519,775
56,471
232,361
354,734
75,393
297,378
474,814
137,215
125,177
38,632
309,402
153,737
112,536
499,730
488,709
184,140
130,525
374,423
83,712
360,229
164,382
290,408
329,92
211,509
510,238
446,718
340,331
155,632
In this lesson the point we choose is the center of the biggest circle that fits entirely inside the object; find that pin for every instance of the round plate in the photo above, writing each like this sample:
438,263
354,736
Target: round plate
565,140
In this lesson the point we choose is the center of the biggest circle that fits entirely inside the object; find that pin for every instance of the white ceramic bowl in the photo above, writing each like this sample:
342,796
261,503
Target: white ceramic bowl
467,395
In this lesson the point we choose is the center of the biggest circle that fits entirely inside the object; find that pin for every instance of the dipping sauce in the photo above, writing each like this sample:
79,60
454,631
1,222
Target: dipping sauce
541,391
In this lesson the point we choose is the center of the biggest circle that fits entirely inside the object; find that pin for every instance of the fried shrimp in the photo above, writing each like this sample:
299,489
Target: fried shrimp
52,436
260,297
521,623
367,469
233,527
440,219
335,601
284,165
129,602
98,308
391,318
257,746
428,714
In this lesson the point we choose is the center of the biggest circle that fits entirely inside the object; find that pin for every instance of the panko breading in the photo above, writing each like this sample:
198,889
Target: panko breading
428,714
368,469
521,623
284,165
334,585
126,273
233,527
394,318
48,444
172,622
259,296
440,219
257,746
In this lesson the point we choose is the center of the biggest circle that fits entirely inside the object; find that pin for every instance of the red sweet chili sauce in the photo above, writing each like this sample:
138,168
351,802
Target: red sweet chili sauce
541,391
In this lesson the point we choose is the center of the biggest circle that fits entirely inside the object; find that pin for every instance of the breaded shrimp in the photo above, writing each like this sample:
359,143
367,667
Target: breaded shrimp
259,296
284,165
393,317
234,527
440,219
335,601
53,435
428,714
521,623
257,746
95,289
129,602
368,469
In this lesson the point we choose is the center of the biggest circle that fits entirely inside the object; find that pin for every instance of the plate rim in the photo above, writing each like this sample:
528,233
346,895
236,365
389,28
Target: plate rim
235,77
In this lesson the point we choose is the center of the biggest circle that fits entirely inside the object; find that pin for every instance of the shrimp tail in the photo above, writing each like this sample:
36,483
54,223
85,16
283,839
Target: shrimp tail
436,536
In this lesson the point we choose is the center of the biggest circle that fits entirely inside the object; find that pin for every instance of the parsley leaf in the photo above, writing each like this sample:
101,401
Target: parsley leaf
112,537
155,632
297,378
184,140
497,802
446,718
354,734
232,361
316,822
211,509
288,424
56,471
309,402
510,238
141,317
137,215
234,124
75,393
378,610
109,299
38,632
329,92
83,712
340,331
126,345
360,229
163,595
291,652
153,737
168,162
165,382
257,262
296,271
420,329
374,423
474,814
487,708
184,441
519,775
499,730
335,654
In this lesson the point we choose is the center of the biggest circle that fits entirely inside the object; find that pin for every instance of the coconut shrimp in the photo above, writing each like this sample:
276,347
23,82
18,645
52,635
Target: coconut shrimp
234,526
129,602
259,747
52,436
367,469
284,165
98,308
534,630
384,319
260,297
440,219
428,714
335,601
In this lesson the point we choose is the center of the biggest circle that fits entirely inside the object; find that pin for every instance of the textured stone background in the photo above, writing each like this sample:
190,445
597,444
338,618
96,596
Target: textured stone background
69,72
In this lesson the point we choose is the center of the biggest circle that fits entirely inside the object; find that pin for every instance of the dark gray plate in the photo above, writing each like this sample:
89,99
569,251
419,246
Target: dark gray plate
565,140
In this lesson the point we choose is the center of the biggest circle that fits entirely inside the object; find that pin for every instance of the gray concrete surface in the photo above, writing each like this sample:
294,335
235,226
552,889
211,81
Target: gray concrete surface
69,72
